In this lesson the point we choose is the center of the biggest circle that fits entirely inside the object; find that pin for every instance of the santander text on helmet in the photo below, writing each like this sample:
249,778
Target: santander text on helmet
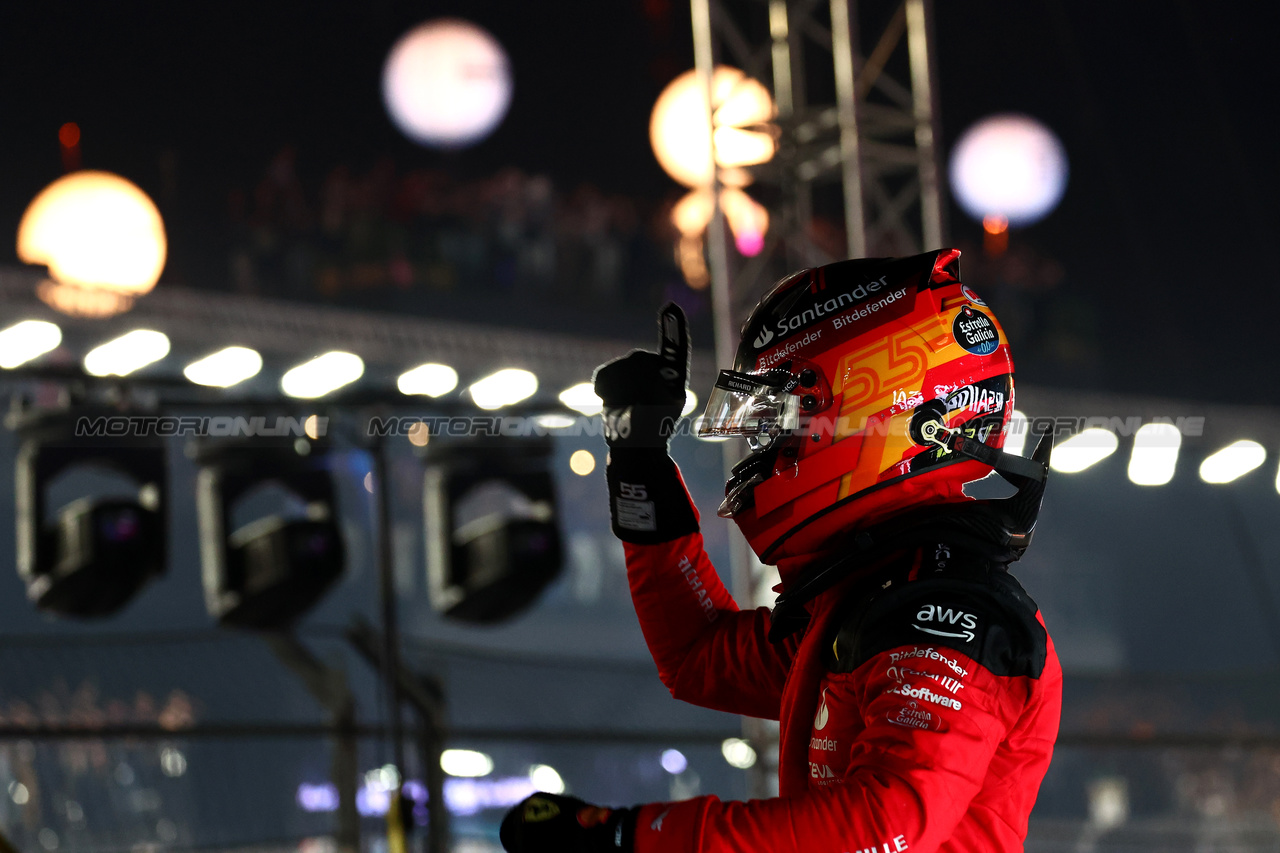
818,310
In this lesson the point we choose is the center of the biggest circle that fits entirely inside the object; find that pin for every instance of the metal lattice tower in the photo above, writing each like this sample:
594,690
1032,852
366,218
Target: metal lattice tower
861,134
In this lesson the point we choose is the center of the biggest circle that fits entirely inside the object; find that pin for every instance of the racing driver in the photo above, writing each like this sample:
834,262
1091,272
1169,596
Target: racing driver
917,690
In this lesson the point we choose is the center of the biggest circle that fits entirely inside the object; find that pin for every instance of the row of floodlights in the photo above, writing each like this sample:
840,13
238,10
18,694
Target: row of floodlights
1154,456
317,377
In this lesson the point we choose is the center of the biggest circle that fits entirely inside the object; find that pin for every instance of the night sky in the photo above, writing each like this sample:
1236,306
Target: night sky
1166,109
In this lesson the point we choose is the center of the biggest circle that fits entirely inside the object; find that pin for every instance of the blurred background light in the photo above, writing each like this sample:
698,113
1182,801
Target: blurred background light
582,462
322,375
1155,454
100,236
1009,166
447,84
504,388
678,128
1015,436
419,434
465,762
545,778
738,753
674,762
225,368
433,380
582,398
127,353
554,421
27,340
1085,448
690,402
1233,461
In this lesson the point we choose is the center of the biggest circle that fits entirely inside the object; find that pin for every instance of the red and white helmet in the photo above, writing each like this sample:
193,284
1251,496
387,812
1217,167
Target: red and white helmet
866,388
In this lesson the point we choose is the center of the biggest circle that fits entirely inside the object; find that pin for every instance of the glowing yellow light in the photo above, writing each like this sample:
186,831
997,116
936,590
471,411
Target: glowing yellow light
127,353
582,398
465,762
504,388
678,127
419,434
224,368
582,462
1085,448
433,380
995,224
1233,461
1155,454
29,339
96,232
322,374
545,778
311,426
748,220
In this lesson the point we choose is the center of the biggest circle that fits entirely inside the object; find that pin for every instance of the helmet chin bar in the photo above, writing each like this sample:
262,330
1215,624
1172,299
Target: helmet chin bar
1000,530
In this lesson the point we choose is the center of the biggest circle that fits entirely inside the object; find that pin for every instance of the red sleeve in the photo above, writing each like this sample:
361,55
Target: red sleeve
916,755
708,652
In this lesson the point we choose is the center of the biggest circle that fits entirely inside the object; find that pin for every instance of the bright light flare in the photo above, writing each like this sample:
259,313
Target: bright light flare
1233,461
674,762
738,753
504,388
1009,166
582,462
690,403
96,231
447,84
466,763
322,375
546,778
127,353
1085,448
582,398
27,340
1155,454
225,368
1015,436
679,132
433,380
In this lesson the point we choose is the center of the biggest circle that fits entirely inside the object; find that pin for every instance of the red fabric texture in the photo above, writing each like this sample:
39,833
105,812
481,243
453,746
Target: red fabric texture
919,749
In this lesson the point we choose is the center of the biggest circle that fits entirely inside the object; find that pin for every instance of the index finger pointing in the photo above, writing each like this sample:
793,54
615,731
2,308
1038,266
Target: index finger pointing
673,344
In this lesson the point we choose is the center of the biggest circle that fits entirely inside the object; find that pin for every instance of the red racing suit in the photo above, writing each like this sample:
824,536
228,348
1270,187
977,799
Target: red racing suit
917,712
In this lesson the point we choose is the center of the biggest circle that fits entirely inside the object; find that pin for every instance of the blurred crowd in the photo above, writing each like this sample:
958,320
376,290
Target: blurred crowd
408,239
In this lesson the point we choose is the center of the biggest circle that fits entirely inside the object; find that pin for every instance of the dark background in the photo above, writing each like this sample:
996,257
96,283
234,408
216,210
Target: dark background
1157,259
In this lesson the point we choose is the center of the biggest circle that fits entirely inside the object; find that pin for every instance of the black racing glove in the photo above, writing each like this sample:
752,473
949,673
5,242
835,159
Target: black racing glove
550,823
643,394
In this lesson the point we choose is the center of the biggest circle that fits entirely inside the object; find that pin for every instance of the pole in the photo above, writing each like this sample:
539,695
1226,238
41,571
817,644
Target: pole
396,842
924,110
842,54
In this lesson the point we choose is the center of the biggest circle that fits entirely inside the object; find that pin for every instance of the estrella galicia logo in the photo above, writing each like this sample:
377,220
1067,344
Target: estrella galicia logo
974,331
762,339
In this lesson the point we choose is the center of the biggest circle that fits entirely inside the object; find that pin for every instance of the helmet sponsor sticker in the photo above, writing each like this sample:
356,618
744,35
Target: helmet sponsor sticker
974,331
968,293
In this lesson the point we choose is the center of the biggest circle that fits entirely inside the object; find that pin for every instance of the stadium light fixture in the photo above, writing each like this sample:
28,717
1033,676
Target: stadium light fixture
322,375
127,353
225,368
432,380
1232,462
26,341
1084,449
1155,454
504,388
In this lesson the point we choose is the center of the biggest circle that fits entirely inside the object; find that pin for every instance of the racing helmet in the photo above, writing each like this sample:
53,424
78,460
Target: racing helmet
865,388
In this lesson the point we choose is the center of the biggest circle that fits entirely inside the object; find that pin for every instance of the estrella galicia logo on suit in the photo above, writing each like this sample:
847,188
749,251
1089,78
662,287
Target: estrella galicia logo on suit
820,721
947,617
762,339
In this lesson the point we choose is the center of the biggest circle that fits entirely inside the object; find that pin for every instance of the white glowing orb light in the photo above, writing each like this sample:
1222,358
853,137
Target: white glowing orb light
1015,436
225,368
466,763
1155,454
504,388
674,762
1011,166
1085,448
554,421
545,778
127,353
690,403
447,84
679,132
738,753
582,398
582,462
433,380
27,340
322,375
1233,461
99,235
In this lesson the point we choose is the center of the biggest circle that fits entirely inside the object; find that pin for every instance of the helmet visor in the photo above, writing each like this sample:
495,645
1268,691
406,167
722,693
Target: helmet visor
750,404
